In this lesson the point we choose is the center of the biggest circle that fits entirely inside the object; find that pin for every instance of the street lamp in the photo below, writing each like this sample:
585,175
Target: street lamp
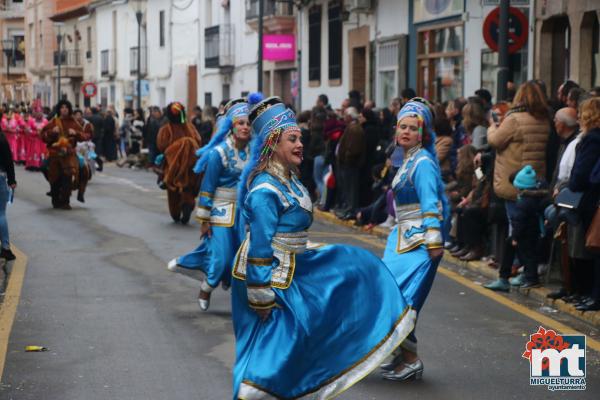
8,46
59,38
137,5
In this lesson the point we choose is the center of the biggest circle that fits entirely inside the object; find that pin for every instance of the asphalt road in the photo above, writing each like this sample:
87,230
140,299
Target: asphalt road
118,325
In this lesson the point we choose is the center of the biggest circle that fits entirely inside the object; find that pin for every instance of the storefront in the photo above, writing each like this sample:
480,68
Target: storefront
437,34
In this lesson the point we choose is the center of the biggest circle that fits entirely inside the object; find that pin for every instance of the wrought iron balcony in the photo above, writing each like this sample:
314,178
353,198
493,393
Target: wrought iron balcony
278,15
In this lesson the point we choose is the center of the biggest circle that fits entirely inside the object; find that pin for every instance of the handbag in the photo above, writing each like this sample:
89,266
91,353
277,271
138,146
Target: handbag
592,236
568,203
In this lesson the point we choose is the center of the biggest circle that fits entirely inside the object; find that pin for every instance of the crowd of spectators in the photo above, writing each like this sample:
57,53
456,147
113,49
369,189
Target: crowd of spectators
504,165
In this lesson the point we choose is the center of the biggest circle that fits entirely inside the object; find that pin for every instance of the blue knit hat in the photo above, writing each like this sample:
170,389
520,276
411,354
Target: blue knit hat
525,178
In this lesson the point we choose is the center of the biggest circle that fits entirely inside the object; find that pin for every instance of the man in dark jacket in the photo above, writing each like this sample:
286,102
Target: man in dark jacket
155,121
97,122
351,158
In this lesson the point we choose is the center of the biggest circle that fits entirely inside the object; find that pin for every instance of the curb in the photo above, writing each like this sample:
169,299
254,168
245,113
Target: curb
538,294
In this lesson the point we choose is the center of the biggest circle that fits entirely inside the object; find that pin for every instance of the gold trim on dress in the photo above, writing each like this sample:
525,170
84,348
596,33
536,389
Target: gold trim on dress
206,194
262,262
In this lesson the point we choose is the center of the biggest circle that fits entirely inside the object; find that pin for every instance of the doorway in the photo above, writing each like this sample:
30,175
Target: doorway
359,70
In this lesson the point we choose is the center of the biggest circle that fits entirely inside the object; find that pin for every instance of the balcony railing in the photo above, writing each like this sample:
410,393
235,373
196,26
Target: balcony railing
133,61
107,62
68,58
218,46
272,8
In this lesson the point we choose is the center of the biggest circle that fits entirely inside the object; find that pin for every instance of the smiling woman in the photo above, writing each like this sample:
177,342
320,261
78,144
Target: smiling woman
302,326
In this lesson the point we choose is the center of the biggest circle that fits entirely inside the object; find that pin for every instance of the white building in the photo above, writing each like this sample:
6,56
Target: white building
116,50
353,45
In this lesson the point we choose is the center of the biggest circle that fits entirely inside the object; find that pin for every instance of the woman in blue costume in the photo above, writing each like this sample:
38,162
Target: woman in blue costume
415,246
221,230
309,320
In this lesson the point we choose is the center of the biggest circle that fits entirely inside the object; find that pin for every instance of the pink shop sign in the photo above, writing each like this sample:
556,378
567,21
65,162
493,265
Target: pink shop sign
279,47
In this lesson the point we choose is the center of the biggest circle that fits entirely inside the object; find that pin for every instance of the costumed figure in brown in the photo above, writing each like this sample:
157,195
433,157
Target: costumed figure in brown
178,141
61,136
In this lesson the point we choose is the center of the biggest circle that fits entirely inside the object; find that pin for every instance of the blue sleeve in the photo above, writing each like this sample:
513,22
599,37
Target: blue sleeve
425,181
209,184
264,208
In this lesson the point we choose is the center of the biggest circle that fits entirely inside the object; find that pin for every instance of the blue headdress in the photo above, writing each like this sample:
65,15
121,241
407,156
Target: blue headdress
235,109
421,109
269,119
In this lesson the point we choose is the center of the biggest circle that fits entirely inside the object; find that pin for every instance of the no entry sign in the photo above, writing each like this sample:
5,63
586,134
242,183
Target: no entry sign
517,29
89,89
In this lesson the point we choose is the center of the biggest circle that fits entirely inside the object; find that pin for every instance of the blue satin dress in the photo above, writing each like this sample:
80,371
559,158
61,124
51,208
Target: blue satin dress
422,213
336,312
217,204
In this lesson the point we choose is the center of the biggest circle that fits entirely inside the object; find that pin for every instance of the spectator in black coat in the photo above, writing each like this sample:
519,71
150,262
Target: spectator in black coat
581,180
155,121
109,139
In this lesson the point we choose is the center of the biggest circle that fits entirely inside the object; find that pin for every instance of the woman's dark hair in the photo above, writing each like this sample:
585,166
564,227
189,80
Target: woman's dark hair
370,116
442,126
63,103
304,117
140,113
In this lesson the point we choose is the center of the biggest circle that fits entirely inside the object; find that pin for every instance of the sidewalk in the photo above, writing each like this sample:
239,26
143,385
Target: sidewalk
479,267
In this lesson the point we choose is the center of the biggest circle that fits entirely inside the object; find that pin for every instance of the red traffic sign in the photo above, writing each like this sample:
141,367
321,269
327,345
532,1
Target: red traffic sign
89,89
517,29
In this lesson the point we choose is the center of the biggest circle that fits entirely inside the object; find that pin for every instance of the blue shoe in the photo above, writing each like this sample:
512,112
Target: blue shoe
499,285
518,280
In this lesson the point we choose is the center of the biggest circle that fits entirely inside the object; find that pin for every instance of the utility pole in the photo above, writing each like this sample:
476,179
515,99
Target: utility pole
138,16
503,66
261,12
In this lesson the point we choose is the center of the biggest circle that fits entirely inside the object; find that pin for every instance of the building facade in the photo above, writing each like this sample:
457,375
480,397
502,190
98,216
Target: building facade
40,41
566,46
12,26
75,27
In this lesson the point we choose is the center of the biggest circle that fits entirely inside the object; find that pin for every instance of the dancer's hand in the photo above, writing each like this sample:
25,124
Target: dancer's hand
205,229
434,254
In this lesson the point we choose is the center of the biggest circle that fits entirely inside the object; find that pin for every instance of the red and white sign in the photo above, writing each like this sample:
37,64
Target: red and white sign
89,89
517,29
279,47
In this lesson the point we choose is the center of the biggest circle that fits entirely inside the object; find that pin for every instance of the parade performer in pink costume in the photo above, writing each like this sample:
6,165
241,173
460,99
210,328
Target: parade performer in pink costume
21,138
9,127
37,148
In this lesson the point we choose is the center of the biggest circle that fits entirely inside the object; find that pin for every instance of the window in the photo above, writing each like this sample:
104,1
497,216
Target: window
440,62
207,99
334,15
387,65
314,47
161,28
211,47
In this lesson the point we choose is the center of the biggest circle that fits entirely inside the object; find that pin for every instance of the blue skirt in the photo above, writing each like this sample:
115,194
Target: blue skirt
214,256
341,316
413,271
